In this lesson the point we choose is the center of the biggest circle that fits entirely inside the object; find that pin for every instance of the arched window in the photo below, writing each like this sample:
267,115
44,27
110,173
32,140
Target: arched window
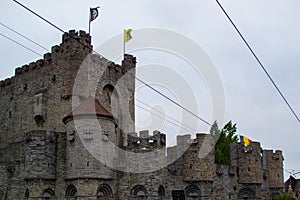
139,190
246,193
161,191
48,193
71,191
110,96
193,191
104,190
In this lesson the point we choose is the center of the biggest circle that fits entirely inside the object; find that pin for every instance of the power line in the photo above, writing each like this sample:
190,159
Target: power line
178,122
178,125
174,102
171,100
53,25
23,36
39,16
291,173
293,170
259,62
20,44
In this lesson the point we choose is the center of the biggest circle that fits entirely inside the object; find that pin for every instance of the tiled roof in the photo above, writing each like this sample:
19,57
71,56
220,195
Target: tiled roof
89,107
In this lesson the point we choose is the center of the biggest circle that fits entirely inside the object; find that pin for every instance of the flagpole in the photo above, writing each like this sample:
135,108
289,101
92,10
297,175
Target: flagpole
124,43
93,15
90,22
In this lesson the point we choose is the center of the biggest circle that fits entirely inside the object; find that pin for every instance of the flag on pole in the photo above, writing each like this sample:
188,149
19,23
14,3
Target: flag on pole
246,141
127,35
94,13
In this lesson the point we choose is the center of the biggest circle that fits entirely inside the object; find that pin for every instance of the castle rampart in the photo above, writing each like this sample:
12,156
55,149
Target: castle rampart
48,125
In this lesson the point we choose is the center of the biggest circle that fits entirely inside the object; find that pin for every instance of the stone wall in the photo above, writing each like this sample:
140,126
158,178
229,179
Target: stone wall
36,99
250,163
80,162
273,168
51,77
199,159
41,157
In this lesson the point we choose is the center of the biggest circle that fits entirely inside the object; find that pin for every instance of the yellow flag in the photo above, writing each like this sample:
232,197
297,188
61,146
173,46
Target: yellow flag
127,35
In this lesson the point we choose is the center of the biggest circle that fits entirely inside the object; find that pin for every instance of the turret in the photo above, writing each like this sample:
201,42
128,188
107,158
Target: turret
91,139
75,47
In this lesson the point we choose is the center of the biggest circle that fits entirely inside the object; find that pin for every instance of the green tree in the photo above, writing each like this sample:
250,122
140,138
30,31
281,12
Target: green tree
222,140
285,197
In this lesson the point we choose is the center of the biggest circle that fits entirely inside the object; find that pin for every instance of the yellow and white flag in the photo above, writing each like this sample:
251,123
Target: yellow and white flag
127,35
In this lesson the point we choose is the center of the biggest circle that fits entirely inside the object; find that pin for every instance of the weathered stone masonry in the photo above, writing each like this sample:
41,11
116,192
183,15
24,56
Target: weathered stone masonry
42,154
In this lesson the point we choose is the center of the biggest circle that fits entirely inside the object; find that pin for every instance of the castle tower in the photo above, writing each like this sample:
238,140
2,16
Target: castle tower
198,159
273,171
38,95
74,49
112,85
91,138
250,169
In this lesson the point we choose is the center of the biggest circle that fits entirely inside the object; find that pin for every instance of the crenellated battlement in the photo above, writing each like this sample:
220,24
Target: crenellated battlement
274,155
42,157
81,41
80,36
33,65
145,141
158,140
185,141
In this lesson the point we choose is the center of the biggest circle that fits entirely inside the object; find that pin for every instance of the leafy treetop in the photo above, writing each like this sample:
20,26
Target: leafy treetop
222,140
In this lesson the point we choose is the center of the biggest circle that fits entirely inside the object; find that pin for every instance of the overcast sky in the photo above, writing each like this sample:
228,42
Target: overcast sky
270,26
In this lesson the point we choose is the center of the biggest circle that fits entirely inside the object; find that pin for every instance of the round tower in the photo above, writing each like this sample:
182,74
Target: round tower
91,139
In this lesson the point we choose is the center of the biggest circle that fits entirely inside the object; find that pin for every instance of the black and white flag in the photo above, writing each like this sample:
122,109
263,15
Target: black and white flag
93,13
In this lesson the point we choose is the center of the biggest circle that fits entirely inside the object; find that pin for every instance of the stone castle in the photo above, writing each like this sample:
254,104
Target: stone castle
58,141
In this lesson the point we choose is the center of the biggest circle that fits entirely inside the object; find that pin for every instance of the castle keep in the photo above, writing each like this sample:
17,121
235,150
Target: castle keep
67,132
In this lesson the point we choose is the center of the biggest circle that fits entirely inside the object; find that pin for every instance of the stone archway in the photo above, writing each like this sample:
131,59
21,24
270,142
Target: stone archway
246,193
